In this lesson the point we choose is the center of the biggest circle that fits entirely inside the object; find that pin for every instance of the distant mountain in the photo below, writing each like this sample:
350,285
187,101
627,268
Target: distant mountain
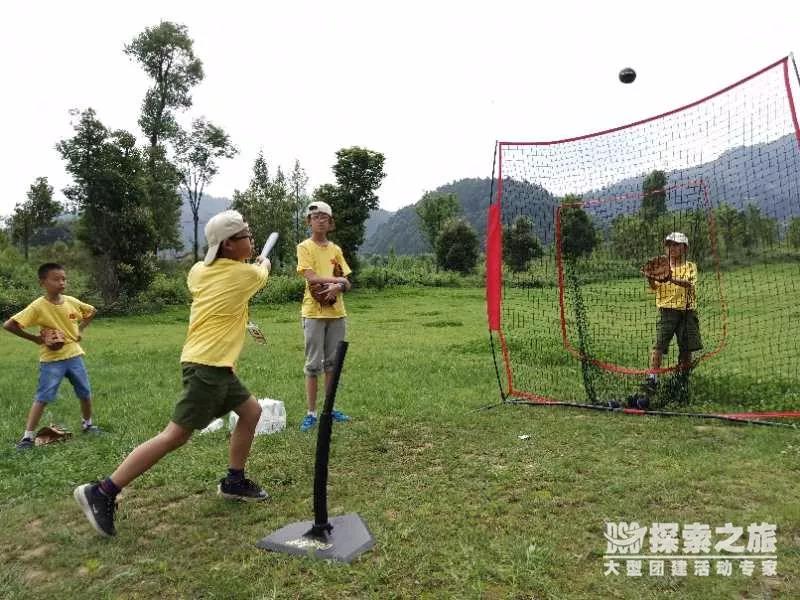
767,175
376,218
402,231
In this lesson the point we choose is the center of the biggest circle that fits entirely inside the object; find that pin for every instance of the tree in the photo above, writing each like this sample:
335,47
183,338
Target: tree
630,237
197,152
793,233
267,207
578,234
520,245
759,229
654,197
37,212
298,180
110,191
731,227
359,172
433,210
457,247
166,54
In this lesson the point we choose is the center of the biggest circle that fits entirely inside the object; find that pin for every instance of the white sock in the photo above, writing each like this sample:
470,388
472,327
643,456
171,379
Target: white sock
86,423
29,434
313,413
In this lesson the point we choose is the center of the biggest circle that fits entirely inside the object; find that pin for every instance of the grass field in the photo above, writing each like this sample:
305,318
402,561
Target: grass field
459,505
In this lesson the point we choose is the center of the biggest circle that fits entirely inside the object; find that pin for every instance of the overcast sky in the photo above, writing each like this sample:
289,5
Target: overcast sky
430,84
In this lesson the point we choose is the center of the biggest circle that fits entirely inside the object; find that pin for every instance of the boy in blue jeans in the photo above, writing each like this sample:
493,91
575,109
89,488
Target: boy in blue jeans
69,317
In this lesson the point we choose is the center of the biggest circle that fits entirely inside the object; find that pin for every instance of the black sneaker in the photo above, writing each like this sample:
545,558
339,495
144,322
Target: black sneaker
98,508
25,444
246,490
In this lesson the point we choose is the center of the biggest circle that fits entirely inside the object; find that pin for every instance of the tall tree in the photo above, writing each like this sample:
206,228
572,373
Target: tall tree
37,212
197,152
298,180
520,245
110,191
267,207
433,210
654,198
359,172
166,54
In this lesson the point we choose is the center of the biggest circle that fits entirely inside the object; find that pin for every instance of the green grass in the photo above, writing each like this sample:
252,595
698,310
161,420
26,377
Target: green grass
753,367
459,505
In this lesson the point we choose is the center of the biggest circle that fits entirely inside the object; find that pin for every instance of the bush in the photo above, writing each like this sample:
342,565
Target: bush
280,289
457,247
167,290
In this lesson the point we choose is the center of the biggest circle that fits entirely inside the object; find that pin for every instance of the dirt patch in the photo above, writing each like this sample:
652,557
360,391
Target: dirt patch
37,552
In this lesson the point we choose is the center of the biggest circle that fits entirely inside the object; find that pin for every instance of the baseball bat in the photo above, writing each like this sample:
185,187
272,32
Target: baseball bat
269,244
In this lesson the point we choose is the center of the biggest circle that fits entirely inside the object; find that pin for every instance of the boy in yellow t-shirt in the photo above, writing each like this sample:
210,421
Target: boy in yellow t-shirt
69,316
221,288
324,321
677,302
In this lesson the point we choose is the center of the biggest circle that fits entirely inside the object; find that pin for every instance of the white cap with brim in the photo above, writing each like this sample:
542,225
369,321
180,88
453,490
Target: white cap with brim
322,207
219,228
677,237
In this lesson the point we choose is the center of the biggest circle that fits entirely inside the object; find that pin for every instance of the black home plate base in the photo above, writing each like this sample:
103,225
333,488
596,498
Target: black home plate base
348,539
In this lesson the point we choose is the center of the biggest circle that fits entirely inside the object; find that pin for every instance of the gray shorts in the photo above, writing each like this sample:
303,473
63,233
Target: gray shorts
322,336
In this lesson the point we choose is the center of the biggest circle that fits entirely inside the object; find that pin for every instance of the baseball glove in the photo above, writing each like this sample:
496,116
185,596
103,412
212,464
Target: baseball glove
53,338
48,435
320,295
318,289
658,269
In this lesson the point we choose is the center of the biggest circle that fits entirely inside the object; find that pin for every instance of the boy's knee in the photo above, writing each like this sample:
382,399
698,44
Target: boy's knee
249,412
175,437
313,369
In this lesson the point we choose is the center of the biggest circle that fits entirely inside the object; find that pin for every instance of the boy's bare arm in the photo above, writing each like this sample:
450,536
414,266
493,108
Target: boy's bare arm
85,322
684,283
313,278
13,327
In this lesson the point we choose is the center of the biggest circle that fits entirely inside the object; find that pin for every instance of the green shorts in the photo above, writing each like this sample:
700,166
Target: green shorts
683,324
208,393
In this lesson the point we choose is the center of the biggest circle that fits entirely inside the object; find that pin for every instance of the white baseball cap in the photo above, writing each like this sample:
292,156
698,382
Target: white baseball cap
322,207
677,237
219,228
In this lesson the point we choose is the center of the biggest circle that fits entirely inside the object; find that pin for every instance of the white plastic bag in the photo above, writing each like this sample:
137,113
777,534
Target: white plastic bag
273,417
215,425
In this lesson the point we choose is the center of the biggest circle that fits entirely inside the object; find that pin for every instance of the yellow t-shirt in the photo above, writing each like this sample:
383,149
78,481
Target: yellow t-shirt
220,292
669,295
65,317
321,260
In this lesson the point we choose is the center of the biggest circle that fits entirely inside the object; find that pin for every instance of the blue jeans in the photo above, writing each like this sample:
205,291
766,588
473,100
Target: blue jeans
51,374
